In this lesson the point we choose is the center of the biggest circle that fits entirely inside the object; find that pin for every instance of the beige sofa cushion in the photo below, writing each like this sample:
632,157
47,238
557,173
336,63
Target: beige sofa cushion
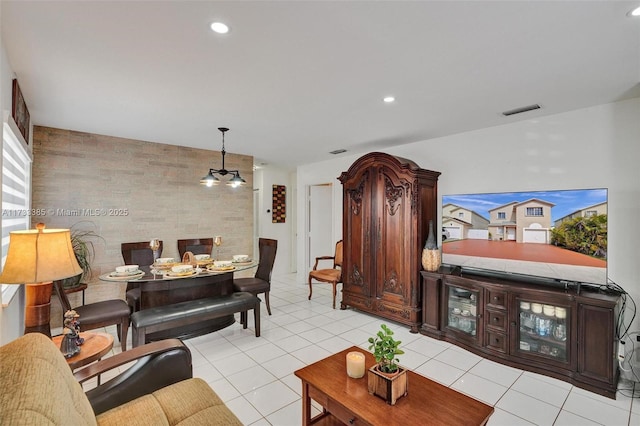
141,411
37,387
186,403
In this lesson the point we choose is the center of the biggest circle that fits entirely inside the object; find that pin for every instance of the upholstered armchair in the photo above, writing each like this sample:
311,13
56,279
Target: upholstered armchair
331,275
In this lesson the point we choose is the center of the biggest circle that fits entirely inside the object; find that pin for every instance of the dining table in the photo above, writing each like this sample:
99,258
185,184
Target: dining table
159,287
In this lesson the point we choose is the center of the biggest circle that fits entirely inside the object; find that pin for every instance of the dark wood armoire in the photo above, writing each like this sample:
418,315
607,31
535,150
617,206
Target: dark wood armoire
387,204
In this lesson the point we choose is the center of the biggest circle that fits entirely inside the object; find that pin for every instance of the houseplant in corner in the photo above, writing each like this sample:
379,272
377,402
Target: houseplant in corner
386,379
82,243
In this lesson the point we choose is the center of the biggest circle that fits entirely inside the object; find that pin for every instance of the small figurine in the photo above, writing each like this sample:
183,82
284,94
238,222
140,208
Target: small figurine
71,340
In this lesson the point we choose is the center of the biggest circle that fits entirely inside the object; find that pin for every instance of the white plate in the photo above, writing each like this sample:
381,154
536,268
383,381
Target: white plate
164,265
181,274
221,268
244,262
125,274
113,276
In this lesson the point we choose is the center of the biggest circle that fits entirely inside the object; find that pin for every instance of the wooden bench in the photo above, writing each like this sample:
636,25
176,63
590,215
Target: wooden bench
165,317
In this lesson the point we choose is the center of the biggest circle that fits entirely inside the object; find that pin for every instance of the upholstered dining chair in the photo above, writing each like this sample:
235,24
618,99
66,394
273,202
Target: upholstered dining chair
261,281
99,314
195,246
138,253
332,276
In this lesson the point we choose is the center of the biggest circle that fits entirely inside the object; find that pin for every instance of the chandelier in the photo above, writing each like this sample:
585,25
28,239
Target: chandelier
210,179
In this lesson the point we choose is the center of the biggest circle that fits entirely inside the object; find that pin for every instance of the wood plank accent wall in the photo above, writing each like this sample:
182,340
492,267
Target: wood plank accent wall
134,191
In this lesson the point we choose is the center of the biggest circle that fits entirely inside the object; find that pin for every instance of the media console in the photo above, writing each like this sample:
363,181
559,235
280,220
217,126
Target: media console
566,331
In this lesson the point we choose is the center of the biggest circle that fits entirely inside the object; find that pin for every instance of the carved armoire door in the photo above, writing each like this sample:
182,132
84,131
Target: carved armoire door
358,198
393,248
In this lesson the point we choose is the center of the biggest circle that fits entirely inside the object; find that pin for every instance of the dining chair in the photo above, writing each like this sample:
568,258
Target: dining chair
141,254
332,276
99,314
261,281
195,246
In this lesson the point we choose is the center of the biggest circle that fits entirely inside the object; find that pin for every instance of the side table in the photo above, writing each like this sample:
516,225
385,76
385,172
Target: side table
95,346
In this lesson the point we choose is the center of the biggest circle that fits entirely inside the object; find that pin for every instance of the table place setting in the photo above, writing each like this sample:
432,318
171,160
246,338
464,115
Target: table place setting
241,259
164,263
221,265
203,260
126,273
181,271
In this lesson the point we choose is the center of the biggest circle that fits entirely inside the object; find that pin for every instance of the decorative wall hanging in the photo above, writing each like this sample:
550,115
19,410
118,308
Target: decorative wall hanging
279,204
19,111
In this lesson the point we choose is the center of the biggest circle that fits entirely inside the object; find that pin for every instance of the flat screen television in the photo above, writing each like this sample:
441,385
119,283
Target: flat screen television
560,236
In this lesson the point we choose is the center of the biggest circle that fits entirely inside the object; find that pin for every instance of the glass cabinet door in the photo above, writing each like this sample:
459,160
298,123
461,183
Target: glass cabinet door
543,330
462,306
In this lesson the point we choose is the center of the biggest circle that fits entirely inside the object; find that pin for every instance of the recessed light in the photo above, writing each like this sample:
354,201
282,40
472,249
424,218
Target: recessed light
635,12
389,99
219,27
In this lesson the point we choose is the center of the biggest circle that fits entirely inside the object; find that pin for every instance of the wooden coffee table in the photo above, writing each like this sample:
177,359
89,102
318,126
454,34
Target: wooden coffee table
346,400
95,346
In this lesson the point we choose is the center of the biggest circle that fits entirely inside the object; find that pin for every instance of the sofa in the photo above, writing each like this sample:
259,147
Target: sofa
38,388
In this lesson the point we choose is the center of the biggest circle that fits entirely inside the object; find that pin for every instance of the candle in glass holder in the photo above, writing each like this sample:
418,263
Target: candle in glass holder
355,364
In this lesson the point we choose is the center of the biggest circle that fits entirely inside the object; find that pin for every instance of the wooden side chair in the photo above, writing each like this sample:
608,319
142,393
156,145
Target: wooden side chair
138,253
261,282
195,246
99,314
332,276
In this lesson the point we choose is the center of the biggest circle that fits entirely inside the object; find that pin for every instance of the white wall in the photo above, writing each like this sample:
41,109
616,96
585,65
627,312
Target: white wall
588,148
263,181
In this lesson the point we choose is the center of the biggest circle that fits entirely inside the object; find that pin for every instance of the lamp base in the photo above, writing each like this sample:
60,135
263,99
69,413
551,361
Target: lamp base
37,313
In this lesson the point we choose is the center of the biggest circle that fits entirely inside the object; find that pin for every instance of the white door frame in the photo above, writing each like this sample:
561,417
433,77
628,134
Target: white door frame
326,205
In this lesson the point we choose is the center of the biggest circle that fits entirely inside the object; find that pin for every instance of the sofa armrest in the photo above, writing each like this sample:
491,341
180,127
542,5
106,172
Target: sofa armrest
157,365
122,358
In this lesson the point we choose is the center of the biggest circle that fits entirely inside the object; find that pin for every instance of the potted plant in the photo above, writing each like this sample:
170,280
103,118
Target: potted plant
81,241
386,379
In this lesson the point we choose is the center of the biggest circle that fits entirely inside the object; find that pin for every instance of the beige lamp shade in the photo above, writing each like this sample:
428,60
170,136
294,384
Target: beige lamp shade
39,255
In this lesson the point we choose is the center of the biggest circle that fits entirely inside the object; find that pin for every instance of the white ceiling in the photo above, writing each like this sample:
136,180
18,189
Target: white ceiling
294,80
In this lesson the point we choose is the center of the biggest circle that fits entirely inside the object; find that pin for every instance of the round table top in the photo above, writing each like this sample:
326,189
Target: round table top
95,346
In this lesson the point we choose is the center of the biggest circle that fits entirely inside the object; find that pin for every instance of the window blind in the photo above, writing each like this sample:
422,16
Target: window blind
16,188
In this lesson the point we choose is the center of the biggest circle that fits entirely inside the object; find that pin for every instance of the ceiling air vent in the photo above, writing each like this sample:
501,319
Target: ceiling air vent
521,110
338,151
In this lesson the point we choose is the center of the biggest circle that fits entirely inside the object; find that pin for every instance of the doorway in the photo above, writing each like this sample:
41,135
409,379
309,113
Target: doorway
256,222
320,222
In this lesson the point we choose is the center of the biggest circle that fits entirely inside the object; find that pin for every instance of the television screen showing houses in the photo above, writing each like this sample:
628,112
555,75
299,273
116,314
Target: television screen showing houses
553,234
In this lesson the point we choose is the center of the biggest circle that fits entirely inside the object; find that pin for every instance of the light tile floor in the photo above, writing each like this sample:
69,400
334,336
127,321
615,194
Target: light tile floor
254,376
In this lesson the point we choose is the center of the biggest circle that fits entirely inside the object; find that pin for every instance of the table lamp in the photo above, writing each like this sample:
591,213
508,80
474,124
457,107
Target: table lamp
36,258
